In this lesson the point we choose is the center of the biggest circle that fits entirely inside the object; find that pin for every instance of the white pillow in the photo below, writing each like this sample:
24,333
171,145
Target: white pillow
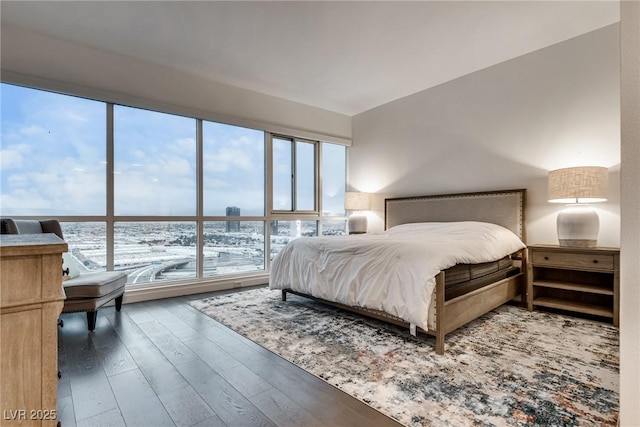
68,261
498,236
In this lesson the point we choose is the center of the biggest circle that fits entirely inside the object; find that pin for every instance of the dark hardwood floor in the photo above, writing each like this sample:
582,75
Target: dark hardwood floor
163,363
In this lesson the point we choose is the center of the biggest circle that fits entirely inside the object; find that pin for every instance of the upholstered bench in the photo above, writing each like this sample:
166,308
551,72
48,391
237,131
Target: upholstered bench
84,292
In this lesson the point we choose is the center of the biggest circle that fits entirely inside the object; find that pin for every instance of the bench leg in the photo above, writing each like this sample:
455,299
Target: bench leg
119,302
91,319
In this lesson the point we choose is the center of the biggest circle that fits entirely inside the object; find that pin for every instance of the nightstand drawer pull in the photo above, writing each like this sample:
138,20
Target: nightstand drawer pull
573,260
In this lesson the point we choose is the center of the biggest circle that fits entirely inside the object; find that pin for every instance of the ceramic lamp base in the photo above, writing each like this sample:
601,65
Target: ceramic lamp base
357,223
578,226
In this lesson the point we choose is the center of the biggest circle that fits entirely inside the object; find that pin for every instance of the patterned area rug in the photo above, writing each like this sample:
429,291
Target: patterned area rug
510,367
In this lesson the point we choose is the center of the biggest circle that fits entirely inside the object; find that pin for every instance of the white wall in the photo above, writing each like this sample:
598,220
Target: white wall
31,59
630,241
500,128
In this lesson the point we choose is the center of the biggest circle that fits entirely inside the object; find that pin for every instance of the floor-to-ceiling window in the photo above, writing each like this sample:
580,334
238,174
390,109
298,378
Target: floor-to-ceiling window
302,206
333,167
167,198
154,195
233,186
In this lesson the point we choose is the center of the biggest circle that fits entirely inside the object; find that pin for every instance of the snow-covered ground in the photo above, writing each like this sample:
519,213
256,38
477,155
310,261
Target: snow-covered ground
152,252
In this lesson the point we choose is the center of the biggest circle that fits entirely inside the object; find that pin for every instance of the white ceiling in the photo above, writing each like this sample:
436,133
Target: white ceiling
346,57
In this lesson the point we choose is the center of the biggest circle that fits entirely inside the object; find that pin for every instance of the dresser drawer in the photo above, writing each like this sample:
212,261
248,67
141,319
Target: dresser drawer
573,260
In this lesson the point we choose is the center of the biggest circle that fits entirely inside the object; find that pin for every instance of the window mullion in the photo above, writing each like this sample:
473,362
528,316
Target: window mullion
318,184
200,200
268,194
110,189
294,176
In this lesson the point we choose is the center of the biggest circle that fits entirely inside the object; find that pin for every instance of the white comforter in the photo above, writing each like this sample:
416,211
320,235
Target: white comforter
393,271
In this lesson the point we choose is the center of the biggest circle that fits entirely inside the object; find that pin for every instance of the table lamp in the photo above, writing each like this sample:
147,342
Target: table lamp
355,201
578,222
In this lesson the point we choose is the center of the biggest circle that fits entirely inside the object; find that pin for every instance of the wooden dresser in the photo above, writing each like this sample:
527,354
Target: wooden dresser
31,299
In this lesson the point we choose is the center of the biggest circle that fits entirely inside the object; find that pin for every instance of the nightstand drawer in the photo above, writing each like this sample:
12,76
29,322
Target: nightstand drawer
573,260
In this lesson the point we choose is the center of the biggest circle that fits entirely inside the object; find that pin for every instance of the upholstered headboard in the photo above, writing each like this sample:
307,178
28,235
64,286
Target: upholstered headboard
505,208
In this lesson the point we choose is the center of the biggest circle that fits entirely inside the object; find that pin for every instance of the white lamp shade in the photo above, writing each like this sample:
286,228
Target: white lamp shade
584,184
355,201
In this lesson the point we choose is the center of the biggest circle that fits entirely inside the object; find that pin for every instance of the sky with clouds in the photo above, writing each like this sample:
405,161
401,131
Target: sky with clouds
53,161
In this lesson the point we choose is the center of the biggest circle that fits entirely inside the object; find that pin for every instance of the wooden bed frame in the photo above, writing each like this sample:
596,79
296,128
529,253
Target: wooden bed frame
504,208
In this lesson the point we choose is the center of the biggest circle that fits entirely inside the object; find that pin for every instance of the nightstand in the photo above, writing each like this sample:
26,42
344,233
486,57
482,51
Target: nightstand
578,280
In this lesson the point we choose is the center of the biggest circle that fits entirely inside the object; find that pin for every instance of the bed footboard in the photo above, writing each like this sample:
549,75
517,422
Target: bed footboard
452,314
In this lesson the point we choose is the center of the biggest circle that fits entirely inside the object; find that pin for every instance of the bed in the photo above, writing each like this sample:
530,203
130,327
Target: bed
423,271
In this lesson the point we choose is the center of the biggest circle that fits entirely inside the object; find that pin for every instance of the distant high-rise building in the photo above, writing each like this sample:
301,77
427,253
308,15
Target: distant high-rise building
233,226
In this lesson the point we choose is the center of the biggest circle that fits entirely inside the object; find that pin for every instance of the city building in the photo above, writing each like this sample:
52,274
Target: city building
233,226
